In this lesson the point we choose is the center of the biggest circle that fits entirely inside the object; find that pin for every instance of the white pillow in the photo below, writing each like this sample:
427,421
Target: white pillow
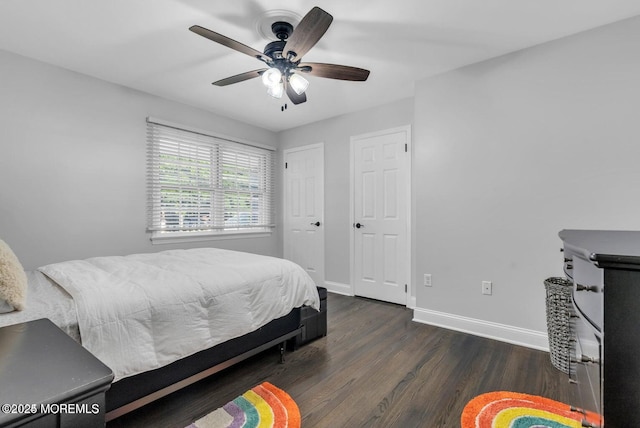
13,281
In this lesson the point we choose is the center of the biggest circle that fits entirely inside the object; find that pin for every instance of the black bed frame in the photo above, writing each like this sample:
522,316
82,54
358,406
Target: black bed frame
134,392
300,326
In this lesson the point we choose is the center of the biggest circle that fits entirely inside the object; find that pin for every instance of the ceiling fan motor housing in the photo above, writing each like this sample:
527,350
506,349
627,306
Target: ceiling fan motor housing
274,49
282,30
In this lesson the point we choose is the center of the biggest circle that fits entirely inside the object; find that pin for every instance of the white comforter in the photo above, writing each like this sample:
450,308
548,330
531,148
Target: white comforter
143,311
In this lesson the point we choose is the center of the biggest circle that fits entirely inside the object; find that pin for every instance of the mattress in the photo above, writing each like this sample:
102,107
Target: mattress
46,299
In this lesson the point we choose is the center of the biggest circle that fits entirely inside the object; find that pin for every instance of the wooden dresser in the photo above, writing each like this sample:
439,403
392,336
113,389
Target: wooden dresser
604,267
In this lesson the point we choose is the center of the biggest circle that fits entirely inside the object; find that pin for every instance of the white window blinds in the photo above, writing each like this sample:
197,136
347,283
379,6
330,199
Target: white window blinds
203,184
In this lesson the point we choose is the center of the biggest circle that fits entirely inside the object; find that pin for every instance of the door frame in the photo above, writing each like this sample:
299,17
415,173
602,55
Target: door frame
285,200
411,297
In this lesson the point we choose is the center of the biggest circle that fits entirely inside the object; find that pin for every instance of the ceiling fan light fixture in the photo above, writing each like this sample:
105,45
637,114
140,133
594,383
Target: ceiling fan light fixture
298,83
276,91
271,77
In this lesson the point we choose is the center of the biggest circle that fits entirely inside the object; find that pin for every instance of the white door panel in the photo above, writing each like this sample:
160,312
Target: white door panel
304,209
381,171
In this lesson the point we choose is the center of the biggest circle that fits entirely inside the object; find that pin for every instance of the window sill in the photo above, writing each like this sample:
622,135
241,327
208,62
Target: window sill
185,237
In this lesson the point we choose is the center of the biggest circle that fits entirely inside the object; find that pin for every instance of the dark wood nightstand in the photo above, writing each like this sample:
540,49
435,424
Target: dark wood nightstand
47,379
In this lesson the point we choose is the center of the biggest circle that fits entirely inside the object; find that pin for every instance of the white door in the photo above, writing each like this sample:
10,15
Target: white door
381,181
304,209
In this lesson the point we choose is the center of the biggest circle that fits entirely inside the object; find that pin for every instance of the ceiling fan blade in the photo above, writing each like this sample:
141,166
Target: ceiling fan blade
334,71
293,96
240,77
310,29
230,43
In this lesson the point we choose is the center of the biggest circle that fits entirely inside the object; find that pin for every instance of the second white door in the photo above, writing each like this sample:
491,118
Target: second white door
381,254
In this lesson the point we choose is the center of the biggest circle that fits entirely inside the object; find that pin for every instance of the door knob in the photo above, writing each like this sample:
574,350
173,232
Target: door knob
358,225
317,223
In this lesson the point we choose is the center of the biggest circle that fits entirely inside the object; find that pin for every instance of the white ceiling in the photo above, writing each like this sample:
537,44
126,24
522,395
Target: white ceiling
146,45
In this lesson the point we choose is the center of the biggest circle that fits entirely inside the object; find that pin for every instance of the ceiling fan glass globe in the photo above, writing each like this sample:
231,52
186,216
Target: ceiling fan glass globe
276,91
271,77
298,83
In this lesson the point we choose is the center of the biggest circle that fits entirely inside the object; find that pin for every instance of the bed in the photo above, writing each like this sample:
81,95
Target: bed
164,320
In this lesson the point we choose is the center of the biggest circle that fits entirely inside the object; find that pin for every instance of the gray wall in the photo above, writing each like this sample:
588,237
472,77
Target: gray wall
506,153
336,133
512,150
73,165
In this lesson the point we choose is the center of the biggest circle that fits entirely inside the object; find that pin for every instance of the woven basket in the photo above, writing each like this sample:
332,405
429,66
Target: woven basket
558,319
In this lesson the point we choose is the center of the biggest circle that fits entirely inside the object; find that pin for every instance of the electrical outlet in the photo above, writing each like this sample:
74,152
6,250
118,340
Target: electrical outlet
486,287
427,280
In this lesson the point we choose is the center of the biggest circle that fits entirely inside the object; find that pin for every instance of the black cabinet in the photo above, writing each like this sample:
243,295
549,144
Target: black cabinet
48,380
605,269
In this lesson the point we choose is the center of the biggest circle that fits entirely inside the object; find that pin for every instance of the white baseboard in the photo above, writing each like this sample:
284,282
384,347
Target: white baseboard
502,332
338,288
412,302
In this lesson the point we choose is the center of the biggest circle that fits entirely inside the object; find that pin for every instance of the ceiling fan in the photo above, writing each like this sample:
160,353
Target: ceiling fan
284,70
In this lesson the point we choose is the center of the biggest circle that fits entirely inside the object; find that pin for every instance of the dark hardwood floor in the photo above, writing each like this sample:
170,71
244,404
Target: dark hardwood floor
375,368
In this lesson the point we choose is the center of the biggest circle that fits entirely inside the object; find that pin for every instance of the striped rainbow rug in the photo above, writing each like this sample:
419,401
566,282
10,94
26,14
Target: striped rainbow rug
264,405
514,410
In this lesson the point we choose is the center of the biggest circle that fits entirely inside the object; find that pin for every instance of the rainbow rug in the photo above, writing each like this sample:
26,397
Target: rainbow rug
513,410
262,406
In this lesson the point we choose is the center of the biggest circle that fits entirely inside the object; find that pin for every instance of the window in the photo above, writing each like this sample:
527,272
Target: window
200,185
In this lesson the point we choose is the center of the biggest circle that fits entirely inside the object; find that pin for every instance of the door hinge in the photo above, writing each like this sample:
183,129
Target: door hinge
405,147
405,288
286,165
